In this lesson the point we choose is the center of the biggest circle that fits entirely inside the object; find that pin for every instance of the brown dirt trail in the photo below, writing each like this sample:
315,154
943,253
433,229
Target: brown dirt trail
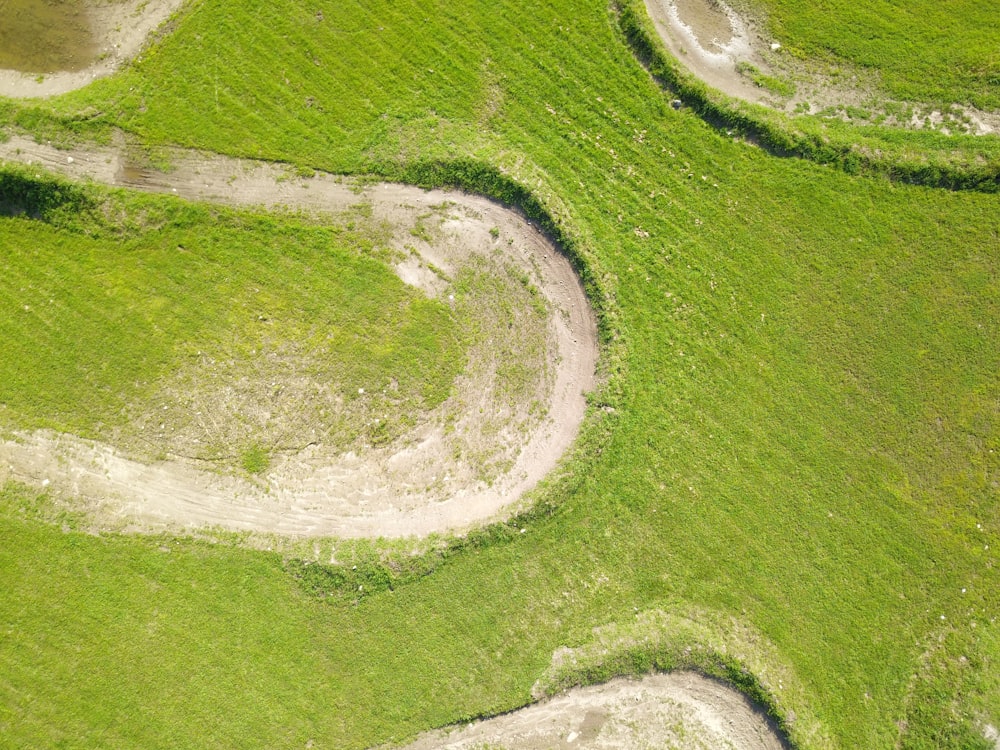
676,711
413,486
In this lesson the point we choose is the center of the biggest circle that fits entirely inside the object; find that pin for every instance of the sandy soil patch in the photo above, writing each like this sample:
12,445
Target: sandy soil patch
731,52
709,39
676,711
122,29
420,483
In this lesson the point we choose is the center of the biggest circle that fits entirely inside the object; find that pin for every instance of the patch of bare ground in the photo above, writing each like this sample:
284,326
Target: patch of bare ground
675,711
121,30
991,734
339,467
731,52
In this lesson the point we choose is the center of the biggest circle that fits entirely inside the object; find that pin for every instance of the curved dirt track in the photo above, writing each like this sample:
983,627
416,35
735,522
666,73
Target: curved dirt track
679,711
411,487
708,39
122,31
712,41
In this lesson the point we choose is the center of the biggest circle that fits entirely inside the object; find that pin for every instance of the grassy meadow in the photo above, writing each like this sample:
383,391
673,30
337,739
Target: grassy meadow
922,51
181,302
803,367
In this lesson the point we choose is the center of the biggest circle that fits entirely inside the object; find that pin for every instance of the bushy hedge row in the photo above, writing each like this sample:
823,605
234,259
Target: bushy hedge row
777,133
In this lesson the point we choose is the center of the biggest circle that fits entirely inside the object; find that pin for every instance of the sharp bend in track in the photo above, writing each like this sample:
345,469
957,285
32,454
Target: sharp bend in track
327,494
677,710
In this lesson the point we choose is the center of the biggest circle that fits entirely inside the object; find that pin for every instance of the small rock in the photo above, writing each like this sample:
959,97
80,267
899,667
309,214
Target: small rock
775,46
676,104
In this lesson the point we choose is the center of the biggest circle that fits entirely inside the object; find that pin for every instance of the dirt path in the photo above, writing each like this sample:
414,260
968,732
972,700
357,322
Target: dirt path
676,711
714,42
123,29
413,486
709,40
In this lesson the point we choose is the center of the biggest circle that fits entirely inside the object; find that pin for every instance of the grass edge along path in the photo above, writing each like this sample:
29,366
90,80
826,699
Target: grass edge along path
956,162
923,51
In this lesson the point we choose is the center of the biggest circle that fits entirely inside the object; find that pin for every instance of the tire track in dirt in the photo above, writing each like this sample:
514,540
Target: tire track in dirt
392,491
678,710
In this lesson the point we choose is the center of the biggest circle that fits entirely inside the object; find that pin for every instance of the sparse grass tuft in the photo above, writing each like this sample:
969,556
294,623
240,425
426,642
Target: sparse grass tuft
255,460
773,84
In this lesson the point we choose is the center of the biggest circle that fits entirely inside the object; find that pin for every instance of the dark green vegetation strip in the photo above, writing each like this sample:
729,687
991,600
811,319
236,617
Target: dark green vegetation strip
805,434
924,158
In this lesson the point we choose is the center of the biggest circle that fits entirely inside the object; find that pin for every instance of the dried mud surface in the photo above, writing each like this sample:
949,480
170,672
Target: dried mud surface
426,481
676,711
122,31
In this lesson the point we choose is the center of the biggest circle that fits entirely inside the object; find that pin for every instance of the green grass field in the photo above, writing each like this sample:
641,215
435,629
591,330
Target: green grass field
106,326
803,367
923,51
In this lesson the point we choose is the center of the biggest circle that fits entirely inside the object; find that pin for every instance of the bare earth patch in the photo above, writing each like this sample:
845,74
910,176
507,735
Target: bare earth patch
122,29
729,52
676,711
476,454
